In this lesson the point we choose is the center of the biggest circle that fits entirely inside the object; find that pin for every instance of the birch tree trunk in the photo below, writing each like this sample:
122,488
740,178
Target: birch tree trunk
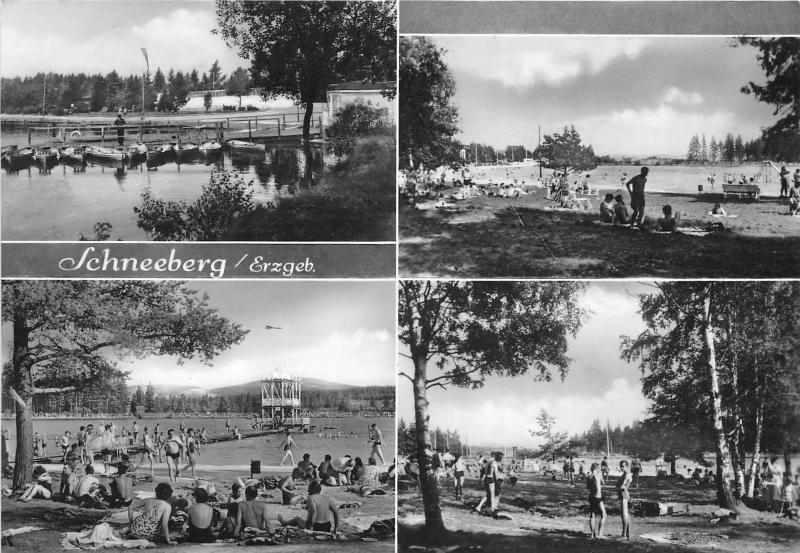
724,496
434,526
751,476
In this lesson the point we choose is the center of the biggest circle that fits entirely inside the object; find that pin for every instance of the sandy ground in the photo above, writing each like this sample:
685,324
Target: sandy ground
548,515
526,237
54,518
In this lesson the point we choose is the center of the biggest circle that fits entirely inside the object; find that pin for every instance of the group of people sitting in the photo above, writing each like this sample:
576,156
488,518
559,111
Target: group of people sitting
363,479
613,210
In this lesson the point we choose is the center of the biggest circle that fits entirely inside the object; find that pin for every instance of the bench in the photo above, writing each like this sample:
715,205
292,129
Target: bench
750,190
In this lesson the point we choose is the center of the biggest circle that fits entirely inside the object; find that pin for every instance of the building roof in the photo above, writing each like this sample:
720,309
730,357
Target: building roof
361,85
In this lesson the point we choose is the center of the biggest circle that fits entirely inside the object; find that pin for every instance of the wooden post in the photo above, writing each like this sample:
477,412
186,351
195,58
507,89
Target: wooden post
29,137
249,131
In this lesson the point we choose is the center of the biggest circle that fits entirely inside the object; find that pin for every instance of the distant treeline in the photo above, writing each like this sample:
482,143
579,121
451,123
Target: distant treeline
83,93
114,397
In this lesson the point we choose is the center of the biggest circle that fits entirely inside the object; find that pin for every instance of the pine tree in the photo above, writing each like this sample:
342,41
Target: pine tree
713,156
738,148
693,154
703,150
729,149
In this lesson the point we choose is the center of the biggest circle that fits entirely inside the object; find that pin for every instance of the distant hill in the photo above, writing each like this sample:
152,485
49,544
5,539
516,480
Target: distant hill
253,387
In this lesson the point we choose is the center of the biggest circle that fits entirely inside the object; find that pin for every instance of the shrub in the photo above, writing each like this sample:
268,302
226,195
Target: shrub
355,120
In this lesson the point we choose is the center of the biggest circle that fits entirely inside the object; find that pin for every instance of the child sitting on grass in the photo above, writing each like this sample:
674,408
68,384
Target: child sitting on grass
622,214
668,223
607,209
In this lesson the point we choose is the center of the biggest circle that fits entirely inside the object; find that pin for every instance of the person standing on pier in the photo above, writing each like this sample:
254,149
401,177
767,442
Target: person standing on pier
119,123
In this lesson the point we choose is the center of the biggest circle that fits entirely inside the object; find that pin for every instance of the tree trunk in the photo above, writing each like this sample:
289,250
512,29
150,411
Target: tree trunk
308,167
737,438
23,388
751,476
724,496
307,120
434,526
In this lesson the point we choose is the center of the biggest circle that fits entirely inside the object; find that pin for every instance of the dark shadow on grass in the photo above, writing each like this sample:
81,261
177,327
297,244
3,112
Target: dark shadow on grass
554,244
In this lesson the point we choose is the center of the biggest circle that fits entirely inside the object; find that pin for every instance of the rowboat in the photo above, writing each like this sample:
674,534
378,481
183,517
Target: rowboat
107,154
156,150
72,154
246,146
45,155
137,150
210,147
185,149
8,150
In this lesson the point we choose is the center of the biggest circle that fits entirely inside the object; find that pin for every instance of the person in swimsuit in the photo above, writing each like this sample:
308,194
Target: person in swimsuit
191,451
65,439
173,446
149,449
636,470
376,438
287,445
623,485
252,513
459,469
604,467
321,510
594,483
201,518
153,523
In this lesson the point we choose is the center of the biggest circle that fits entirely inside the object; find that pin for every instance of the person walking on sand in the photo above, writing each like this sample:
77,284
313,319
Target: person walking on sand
635,188
287,445
376,439
173,447
623,486
636,470
594,483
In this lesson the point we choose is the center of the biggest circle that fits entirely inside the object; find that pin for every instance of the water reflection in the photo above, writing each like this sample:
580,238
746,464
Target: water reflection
66,199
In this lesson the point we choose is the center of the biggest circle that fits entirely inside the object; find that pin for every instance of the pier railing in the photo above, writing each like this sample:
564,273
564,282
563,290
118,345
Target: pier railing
263,125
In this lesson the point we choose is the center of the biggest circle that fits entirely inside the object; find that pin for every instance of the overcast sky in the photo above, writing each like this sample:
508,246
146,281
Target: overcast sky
599,384
337,331
97,37
635,96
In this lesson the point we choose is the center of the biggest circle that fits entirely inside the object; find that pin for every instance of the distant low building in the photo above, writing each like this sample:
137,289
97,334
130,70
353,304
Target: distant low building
343,94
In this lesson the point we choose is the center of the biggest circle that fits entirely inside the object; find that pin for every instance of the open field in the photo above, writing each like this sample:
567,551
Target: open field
549,515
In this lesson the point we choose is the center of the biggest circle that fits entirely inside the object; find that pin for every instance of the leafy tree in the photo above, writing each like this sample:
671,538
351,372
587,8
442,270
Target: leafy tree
207,100
298,49
565,152
470,330
98,100
780,59
238,84
428,118
65,332
553,441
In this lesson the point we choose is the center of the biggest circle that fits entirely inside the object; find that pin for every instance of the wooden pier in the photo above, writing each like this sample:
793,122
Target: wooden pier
262,126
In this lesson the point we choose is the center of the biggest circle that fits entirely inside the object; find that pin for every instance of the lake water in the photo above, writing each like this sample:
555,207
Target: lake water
679,179
65,202
353,439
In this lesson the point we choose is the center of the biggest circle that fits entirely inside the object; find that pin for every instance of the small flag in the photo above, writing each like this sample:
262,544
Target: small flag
147,61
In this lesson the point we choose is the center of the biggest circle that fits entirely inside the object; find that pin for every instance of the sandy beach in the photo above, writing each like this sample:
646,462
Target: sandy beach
491,236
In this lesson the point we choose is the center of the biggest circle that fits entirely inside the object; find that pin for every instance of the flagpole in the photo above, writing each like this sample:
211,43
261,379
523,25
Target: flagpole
144,78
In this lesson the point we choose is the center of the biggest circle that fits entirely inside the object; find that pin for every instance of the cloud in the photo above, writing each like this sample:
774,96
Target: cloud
654,130
181,40
532,61
508,420
677,96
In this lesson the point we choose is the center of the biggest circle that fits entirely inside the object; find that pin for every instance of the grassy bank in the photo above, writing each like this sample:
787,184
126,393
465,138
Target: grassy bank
524,237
